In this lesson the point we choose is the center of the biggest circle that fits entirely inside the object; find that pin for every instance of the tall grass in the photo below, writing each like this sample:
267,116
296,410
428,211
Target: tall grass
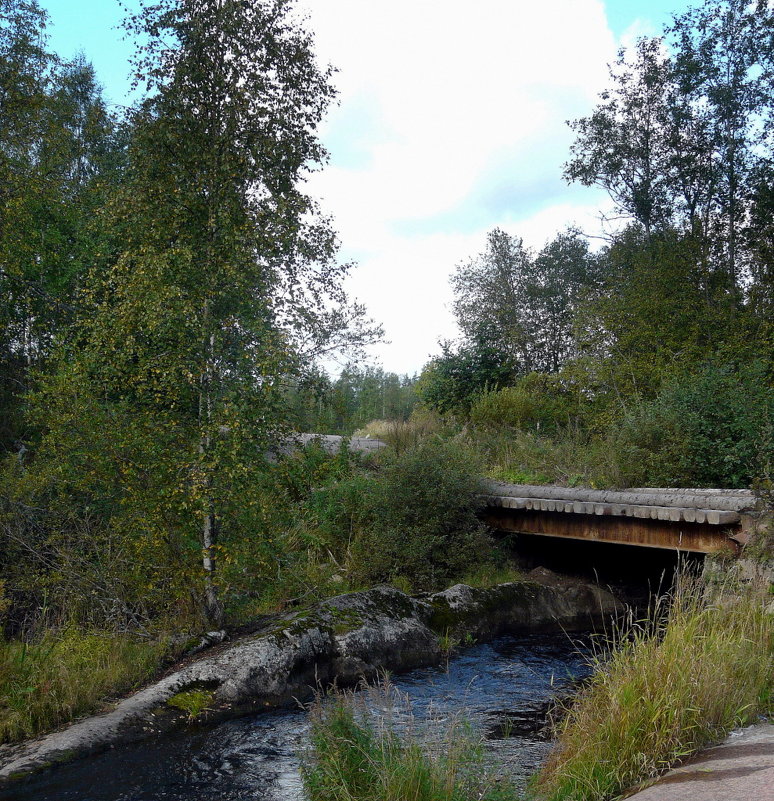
51,681
359,756
403,434
674,684
568,457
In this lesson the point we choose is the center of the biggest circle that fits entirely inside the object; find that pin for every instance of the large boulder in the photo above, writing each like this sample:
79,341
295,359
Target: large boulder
544,602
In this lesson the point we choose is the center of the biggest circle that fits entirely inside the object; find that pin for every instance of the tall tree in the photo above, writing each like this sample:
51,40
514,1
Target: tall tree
227,282
490,293
522,304
57,148
723,66
621,145
24,70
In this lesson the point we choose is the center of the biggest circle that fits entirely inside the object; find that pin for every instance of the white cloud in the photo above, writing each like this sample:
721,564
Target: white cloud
451,121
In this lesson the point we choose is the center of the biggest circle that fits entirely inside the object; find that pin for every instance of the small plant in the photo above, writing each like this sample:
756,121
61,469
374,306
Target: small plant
447,643
194,702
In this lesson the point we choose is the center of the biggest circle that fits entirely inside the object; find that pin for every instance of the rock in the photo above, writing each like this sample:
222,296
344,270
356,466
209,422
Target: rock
546,602
207,641
342,639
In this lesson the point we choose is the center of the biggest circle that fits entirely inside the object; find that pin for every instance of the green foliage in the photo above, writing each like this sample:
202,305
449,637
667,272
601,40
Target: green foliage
659,310
711,428
218,283
357,756
499,571
420,517
673,684
451,380
537,402
49,681
571,457
59,158
407,517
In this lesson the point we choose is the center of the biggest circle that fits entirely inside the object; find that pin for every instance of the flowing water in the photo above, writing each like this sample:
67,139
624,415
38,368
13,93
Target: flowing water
499,687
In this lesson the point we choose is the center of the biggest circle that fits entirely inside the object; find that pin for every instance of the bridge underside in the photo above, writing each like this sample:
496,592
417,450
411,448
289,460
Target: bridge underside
645,532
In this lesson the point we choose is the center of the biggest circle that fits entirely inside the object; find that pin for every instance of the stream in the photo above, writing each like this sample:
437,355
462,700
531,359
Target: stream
256,758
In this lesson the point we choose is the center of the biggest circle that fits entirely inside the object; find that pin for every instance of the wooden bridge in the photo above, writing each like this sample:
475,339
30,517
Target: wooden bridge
697,520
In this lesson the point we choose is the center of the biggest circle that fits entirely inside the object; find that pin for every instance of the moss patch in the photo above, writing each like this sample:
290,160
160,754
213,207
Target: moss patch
195,701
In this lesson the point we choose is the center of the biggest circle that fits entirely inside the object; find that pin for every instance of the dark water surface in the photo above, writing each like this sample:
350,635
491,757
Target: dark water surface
256,758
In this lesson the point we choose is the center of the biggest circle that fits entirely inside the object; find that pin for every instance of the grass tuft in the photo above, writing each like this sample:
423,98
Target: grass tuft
194,702
359,756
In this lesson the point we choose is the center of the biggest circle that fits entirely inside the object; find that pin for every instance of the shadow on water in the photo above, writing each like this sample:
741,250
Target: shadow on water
500,687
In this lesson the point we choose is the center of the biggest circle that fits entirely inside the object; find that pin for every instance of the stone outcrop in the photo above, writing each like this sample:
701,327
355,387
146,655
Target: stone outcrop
342,639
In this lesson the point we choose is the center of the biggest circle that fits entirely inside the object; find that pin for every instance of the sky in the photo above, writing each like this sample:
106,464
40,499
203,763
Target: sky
451,121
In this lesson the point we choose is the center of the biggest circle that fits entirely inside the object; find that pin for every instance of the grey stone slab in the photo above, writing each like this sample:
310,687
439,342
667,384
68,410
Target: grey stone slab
739,769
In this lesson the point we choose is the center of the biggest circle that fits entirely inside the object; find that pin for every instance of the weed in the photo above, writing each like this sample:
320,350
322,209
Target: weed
447,643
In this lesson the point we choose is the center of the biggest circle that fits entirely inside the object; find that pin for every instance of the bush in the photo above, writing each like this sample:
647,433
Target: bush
712,428
420,517
673,685
537,402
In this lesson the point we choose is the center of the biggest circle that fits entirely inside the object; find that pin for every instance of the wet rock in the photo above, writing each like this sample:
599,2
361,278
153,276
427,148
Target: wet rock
543,603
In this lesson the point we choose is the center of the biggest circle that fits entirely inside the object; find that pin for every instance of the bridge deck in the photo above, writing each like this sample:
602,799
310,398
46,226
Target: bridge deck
703,521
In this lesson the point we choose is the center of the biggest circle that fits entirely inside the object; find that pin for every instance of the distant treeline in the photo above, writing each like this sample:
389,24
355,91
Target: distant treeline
355,398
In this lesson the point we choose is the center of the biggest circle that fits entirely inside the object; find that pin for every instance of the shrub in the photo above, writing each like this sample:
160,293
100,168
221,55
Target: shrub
537,402
421,517
712,428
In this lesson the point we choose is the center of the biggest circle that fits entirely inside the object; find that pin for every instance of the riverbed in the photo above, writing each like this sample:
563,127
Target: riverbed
499,687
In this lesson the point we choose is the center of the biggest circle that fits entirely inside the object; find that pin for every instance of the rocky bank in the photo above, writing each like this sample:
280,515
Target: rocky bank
342,640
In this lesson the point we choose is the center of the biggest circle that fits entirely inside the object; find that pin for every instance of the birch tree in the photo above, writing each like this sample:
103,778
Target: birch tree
226,283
